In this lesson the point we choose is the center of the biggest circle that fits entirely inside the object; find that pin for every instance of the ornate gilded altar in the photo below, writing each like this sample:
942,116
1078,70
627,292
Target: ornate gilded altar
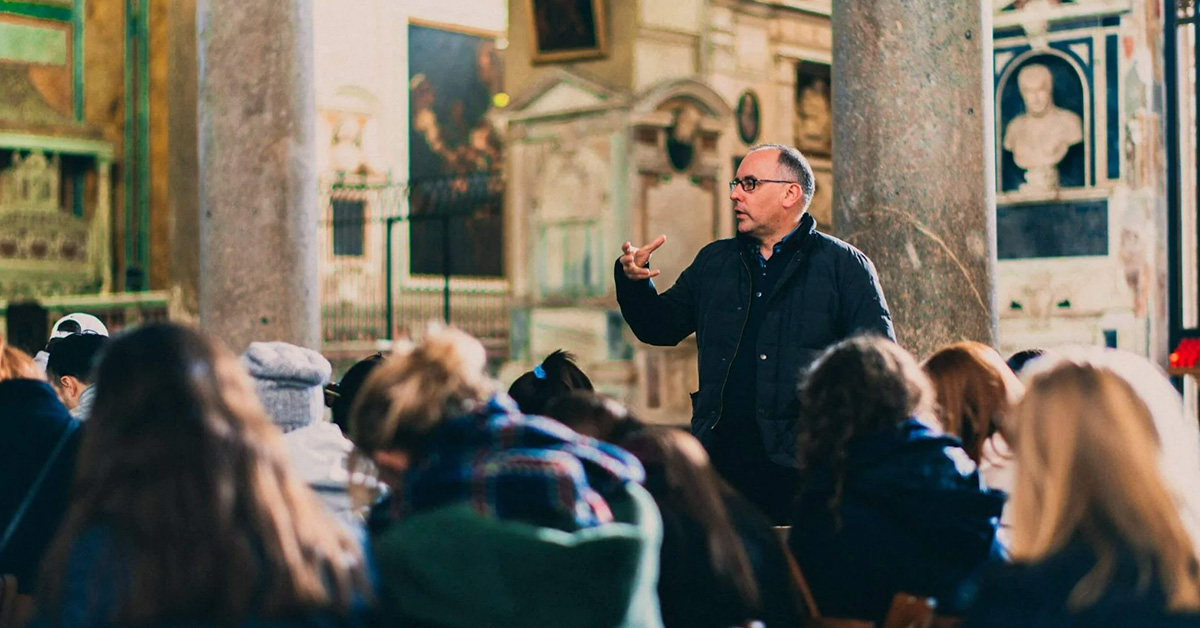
55,197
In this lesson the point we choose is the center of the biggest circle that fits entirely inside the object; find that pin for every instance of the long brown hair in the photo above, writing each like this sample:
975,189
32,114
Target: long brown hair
1088,468
862,385
180,462
680,478
975,390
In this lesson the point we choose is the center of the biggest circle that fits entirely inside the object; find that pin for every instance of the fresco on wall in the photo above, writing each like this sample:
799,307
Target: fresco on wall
455,153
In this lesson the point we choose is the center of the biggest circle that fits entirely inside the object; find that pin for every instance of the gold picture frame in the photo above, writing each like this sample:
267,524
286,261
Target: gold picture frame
567,30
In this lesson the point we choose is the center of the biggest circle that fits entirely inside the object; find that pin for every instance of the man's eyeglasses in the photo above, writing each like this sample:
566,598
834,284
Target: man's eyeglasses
750,183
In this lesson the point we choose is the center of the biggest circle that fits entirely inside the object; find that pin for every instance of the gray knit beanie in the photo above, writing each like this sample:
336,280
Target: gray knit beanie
289,380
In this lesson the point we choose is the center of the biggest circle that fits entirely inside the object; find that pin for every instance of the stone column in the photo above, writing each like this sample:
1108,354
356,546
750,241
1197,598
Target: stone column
914,161
258,183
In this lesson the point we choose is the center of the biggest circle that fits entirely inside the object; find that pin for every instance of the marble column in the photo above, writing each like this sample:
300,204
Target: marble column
914,161
258,183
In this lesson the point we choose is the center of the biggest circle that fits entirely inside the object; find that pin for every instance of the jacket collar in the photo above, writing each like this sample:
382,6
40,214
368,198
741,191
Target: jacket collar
790,243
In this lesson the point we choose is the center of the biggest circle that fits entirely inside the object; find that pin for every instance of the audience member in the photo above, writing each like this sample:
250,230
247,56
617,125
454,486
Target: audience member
498,518
887,503
289,381
340,396
1178,435
69,369
556,375
975,390
38,443
722,563
1099,539
74,323
1017,361
593,415
185,510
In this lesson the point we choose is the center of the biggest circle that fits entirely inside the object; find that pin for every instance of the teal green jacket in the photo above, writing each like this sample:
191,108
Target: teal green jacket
455,568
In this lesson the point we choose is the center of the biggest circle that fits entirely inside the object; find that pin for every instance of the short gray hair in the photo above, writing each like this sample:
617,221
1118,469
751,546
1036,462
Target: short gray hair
795,165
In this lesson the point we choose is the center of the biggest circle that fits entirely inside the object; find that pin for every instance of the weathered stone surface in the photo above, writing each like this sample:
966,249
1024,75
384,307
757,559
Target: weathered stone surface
914,166
258,189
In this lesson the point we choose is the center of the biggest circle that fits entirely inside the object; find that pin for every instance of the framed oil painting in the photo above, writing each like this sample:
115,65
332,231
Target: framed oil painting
455,191
748,117
567,30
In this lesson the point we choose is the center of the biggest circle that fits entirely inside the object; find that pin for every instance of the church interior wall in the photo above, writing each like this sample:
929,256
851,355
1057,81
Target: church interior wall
1102,280
615,68
87,82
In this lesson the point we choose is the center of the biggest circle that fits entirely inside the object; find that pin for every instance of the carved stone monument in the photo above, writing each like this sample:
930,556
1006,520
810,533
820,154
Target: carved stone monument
1040,137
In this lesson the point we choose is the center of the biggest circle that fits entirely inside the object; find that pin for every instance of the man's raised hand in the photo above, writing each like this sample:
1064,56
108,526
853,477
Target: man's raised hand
634,259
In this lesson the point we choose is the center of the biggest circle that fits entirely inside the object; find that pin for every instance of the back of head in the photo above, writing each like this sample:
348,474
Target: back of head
420,384
1017,361
593,415
346,390
180,461
1178,434
975,390
75,356
78,322
16,364
556,375
684,484
289,380
860,386
1078,423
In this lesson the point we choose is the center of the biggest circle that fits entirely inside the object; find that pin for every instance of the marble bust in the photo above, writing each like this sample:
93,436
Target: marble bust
1040,137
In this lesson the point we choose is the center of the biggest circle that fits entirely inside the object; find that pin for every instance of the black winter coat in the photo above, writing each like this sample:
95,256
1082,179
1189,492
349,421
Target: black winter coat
32,420
828,291
914,518
1034,595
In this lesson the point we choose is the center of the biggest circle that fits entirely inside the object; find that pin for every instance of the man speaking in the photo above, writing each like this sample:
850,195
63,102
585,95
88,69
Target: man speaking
762,305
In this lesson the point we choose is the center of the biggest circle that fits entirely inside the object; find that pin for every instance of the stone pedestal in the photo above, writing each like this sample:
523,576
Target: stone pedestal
258,184
915,184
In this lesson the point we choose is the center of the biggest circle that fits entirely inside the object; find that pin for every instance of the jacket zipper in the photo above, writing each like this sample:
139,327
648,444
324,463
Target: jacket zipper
725,381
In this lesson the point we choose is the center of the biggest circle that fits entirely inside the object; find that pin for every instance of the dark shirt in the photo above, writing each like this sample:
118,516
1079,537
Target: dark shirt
739,387
737,448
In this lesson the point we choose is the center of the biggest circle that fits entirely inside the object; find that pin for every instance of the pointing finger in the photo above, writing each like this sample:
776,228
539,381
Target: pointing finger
653,246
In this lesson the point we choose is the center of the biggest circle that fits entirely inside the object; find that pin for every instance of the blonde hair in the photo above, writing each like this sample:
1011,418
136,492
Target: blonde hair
406,397
16,364
975,391
1077,424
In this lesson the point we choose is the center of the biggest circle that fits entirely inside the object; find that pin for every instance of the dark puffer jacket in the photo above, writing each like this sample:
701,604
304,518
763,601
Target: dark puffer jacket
32,420
914,518
828,291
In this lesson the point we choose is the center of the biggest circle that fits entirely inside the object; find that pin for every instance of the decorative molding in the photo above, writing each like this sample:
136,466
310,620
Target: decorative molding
57,10
1037,20
563,93
649,100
